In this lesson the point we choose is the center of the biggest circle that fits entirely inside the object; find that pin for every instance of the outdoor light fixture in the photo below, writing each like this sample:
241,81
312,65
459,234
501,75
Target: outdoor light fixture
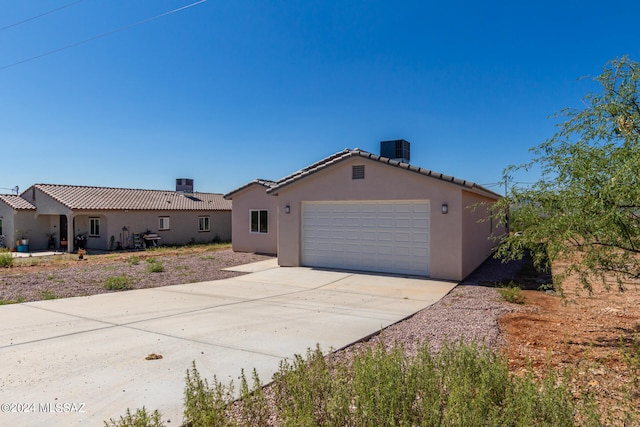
287,209
445,209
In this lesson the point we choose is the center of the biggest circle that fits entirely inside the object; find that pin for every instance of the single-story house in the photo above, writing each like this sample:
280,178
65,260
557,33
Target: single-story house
359,211
70,216
16,216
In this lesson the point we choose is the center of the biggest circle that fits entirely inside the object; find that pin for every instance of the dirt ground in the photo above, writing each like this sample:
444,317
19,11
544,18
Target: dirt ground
595,336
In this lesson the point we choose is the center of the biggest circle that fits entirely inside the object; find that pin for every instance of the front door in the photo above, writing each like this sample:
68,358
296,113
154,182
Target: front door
64,229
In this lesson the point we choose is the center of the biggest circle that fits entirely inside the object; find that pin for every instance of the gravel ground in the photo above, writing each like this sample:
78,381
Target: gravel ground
87,277
469,313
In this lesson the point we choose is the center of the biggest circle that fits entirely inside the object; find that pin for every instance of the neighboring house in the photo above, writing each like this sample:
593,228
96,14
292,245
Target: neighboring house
111,218
16,215
359,211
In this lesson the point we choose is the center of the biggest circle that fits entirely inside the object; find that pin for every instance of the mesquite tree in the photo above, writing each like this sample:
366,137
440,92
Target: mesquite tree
585,208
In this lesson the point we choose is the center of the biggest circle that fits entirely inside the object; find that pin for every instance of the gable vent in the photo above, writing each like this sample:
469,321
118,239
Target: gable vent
357,172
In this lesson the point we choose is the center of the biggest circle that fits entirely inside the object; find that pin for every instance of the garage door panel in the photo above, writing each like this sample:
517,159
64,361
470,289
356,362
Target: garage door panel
403,237
371,236
420,237
420,253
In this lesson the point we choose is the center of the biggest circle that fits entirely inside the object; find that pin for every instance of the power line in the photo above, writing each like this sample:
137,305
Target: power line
16,189
135,24
41,15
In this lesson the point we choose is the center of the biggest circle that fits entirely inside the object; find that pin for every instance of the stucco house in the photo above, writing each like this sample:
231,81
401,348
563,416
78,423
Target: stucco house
66,216
15,218
360,211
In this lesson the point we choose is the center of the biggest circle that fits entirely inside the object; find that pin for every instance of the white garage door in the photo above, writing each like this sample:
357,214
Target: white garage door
382,236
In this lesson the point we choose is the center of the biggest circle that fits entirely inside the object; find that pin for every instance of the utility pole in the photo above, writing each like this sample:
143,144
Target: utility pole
16,189
506,183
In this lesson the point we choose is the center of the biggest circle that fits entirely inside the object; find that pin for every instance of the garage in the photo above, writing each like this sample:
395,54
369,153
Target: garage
383,236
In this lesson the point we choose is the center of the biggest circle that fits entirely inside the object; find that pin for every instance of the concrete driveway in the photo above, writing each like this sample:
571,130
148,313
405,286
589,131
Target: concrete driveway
80,361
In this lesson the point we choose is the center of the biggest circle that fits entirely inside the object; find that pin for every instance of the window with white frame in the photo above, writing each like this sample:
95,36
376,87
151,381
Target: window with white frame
204,223
94,227
259,221
163,223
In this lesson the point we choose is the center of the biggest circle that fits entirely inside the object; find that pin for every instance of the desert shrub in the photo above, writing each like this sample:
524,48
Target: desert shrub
18,300
302,389
141,418
155,267
48,294
254,406
462,385
466,385
118,283
204,404
512,293
6,259
134,260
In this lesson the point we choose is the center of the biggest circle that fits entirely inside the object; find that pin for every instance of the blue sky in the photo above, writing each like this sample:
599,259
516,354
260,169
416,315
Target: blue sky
227,91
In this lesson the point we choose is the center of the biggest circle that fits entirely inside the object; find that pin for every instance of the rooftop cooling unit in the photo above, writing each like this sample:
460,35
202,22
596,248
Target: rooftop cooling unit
184,185
398,149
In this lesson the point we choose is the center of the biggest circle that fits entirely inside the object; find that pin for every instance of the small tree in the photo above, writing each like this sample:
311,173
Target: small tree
586,206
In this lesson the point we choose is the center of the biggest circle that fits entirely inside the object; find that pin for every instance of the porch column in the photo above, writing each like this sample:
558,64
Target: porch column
70,227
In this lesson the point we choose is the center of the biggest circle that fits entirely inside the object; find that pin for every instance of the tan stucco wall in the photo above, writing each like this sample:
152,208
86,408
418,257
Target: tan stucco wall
15,223
477,230
254,197
7,214
45,219
382,182
183,227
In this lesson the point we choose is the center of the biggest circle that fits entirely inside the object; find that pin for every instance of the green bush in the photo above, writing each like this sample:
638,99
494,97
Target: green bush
204,404
512,293
6,259
141,418
134,260
118,283
464,385
155,267
48,294
16,301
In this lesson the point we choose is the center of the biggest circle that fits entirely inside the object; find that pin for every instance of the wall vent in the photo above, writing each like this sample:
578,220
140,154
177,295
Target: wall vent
184,185
398,149
357,172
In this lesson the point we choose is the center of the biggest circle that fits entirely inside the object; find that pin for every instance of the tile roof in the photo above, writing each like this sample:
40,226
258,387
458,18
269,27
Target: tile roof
104,198
348,153
16,202
258,181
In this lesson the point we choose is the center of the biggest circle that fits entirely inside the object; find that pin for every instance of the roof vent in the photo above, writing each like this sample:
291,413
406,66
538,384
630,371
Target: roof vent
398,149
184,185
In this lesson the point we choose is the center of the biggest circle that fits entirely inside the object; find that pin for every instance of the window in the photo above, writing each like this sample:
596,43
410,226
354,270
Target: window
259,221
94,227
203,223
163,223
357,172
